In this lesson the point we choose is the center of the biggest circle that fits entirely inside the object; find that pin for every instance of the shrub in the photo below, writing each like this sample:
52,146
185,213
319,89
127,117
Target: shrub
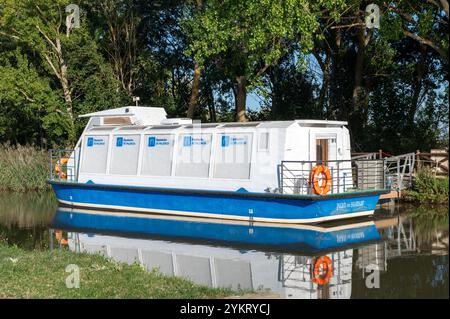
429,189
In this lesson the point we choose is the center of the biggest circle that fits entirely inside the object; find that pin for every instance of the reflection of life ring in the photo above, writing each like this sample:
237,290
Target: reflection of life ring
59,238
323,270
323,186
58,168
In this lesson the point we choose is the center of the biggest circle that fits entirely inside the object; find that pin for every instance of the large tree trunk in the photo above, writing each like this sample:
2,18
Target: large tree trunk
211,106
193,102
333,99
359,64
325,67
64,80
417,86
241,98
357,113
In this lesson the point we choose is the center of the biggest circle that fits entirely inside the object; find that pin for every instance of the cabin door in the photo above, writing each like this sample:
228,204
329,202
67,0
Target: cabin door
321,150
326,149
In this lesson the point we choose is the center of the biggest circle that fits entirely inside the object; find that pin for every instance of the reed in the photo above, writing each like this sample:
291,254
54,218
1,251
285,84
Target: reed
23,168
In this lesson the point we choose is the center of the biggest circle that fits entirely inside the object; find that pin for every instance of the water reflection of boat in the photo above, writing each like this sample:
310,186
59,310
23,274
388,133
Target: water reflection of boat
304,238
248,262
217,253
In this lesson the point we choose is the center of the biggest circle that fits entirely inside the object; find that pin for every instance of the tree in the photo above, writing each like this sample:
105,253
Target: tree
117,24
31,111
41,26
251,36
65,59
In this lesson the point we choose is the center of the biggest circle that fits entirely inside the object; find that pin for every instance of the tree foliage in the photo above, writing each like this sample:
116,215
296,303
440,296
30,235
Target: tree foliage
204,58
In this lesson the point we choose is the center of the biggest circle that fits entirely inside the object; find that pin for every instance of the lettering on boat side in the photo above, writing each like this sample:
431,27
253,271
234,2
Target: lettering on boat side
344,206
123,141
189,141
342,238
226,140
153,141
228,308
92,141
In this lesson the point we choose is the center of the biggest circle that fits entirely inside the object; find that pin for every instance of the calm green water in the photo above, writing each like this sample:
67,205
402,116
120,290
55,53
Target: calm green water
411,255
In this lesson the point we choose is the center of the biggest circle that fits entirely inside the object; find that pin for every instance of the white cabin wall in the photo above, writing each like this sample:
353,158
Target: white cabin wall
291,142
265,162
297,144
263,172
346,144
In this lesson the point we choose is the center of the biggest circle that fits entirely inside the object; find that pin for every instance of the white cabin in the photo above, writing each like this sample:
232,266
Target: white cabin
139,146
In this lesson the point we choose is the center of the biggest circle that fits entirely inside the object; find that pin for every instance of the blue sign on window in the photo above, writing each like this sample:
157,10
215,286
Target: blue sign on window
90,142
119,142
225,141
152,141
187,141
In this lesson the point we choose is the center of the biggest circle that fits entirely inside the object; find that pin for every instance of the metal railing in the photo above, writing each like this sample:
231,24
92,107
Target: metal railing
399,171
296,177
62,165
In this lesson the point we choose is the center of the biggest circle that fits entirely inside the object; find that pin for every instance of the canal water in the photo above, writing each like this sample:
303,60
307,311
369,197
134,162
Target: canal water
400,253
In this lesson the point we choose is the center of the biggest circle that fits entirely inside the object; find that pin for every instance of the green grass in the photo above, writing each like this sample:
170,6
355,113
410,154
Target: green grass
428,189
23,168
41,274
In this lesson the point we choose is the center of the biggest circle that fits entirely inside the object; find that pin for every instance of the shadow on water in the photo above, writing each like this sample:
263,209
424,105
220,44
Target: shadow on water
407,246
24,219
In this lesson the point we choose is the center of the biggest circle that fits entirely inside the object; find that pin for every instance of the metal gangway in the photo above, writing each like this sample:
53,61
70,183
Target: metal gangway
399,169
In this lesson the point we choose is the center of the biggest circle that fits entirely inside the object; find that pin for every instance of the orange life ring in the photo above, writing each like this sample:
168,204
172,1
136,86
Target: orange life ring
60,238
323,172
323,270
58,168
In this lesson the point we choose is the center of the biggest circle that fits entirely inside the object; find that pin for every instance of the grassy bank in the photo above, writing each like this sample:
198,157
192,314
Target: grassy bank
23,168
41,274
427,189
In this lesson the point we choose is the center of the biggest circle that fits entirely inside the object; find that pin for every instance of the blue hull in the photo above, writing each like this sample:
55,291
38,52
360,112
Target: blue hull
262,207
294,237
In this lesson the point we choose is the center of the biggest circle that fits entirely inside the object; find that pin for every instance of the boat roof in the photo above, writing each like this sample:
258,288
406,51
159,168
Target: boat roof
128,111
149,118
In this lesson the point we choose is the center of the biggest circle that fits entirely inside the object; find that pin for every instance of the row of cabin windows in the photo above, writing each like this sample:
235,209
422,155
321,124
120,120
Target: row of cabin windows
232,157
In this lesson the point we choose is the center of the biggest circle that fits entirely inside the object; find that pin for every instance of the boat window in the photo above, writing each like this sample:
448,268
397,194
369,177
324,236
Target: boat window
233,155
125,154
193,155
157,155
95,152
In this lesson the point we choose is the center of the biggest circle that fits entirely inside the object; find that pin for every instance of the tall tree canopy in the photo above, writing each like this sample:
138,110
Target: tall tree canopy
209,59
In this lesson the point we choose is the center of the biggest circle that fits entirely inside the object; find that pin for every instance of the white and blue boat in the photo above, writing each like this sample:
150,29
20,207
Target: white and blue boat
135,159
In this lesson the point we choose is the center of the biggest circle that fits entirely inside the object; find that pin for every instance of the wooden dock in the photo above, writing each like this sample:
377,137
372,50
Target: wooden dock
392,195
